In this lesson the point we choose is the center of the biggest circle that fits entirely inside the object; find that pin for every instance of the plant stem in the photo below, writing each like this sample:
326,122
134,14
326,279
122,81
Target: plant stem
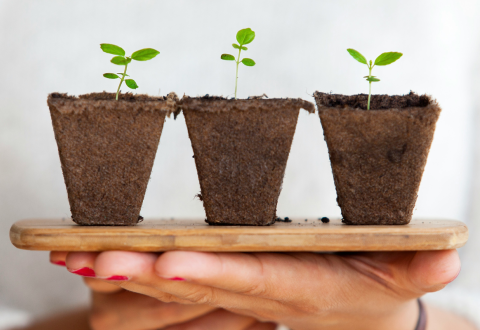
121,81
369,85
236,74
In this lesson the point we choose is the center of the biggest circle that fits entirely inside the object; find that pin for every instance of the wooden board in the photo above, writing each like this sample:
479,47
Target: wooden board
299,235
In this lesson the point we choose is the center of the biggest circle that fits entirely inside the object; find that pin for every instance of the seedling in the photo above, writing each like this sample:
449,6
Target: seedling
120,59
244,37
383,59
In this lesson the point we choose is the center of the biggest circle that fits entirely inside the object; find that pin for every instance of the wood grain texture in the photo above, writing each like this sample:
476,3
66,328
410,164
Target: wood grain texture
196,235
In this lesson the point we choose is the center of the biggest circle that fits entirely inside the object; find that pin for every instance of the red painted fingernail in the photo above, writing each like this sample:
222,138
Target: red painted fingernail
176,279
117,278
85,271
58,263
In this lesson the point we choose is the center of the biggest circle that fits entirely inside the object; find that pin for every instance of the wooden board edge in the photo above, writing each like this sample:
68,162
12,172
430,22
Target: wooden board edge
23,239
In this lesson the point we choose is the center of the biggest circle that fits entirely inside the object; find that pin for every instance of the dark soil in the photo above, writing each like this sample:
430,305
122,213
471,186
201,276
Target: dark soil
107,149
378,156
377,102
111,97
241,149
286,219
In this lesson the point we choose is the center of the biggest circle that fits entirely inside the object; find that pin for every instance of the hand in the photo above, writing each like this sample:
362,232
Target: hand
301,290
117,309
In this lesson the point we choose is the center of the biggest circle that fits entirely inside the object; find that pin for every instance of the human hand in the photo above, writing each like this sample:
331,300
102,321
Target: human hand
117,309
301,290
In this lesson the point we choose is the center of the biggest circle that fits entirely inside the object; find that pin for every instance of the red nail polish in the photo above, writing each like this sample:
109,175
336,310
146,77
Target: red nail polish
176,279
117,278
85,271
58,263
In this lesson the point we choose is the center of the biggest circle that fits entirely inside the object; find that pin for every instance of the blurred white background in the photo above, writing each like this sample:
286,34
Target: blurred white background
300,46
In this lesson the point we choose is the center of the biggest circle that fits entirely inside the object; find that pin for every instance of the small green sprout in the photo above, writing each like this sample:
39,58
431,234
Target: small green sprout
383,59
120,59
244,37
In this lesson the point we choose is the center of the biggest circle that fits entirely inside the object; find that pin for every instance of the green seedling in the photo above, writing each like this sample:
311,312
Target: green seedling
382,59
244,37
120,59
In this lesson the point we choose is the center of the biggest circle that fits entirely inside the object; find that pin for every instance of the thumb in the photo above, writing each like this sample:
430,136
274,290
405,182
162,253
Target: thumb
432,270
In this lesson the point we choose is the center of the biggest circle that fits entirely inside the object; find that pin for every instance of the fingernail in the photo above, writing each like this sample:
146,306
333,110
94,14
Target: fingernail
117,278
58,263
85,271
176,279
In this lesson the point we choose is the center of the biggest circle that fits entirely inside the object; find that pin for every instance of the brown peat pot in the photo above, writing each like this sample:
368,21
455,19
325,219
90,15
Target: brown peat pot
241,150
378,155
107,149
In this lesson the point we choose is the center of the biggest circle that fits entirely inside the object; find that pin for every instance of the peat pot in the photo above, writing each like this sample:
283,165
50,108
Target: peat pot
241,149
106,150
378,155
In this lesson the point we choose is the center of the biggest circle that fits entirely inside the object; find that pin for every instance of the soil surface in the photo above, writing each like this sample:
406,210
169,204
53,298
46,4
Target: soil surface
377,102
241,150
378,156
209,103
111,97
107,149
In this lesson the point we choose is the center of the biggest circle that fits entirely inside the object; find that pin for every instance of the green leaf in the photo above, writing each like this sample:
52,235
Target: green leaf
372,79
227,57
356,55
239,47
145,54
248,62
245,36
112,49
131,83
120,60
110,75
121,73
387,58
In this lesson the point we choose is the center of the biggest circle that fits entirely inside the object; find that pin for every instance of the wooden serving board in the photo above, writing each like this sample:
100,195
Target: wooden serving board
196,235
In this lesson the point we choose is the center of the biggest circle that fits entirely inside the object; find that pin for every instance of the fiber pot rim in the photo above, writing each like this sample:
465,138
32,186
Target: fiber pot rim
379,102
220,104
127,101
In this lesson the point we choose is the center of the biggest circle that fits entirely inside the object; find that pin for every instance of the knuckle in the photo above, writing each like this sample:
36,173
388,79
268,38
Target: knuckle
165,297
169,298
257,289
202,296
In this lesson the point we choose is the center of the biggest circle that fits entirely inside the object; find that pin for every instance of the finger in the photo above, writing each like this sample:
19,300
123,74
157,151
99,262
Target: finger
133,271
217,320
101,286
142,263
433,270
413,272
58,257
253,274
130,311
81,263
139,269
